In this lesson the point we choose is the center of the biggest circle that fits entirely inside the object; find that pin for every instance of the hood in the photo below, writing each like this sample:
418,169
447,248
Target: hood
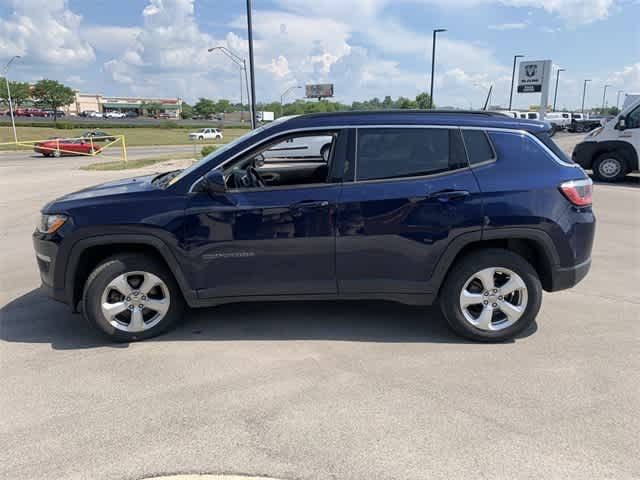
127,186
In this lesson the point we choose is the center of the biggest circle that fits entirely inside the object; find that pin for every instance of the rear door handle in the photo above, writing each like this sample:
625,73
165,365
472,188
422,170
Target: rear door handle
449,194
310,204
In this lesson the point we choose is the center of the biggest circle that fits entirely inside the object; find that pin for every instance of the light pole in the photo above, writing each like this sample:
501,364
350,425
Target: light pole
285,93
251,66
604,96
584,93
242,63
555,96
433,63
618,100
513,77
5,70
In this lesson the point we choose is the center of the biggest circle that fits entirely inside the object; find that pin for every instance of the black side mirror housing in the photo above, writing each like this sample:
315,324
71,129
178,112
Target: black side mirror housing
213,183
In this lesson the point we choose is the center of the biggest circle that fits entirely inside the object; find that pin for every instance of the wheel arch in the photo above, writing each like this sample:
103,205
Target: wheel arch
535,246
86,254
623,148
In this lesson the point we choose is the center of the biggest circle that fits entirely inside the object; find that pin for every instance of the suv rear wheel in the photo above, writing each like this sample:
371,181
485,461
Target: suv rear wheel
491,295
609,167
131,297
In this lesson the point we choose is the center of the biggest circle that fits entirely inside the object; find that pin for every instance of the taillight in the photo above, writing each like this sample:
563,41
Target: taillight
578,192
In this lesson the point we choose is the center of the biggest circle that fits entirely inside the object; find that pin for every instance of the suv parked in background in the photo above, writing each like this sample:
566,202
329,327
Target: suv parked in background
476,210
612,151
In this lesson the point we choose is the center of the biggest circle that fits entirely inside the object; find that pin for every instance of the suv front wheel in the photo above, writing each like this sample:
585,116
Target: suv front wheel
131,297
491,295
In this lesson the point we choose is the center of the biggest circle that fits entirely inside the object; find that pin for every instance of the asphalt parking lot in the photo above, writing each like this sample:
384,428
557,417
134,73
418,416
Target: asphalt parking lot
344,390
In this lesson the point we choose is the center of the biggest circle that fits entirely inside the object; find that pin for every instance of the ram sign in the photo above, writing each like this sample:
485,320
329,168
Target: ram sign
320,90
533,75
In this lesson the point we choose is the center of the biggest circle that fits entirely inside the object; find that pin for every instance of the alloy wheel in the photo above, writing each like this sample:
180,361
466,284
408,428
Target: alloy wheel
493,299
135,301
609,168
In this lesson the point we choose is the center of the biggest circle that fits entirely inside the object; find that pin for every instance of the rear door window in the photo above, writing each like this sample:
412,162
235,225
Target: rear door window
406,152
478,147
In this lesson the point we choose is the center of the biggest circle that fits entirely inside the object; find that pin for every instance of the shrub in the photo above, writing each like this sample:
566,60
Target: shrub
64,126
207,149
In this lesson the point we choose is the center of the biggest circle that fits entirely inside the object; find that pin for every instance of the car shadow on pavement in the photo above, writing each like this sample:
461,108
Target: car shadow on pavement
628,181
34,318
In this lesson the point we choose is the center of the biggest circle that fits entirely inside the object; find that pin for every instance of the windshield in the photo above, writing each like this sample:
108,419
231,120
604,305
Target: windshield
219,151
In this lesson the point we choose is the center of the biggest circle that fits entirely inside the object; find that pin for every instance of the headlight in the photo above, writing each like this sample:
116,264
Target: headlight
595,133
51,223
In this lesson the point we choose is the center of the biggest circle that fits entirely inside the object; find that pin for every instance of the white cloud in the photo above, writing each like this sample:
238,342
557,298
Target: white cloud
508,26
44,32
628,79
110,39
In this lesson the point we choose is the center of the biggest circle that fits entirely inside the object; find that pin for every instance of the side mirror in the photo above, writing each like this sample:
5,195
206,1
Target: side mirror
213,183
622,123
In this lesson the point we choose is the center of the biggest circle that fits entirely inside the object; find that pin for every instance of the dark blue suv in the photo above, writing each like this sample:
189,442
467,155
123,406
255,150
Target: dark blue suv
476,210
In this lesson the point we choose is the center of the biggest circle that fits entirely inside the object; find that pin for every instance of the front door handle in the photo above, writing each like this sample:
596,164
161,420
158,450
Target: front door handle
446,195
310,204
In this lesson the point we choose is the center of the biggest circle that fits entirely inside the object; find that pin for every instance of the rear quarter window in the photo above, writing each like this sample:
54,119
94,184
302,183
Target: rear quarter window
553,146
478,147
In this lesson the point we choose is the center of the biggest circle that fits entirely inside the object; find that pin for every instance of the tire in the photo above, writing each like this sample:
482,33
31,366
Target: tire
496,326
200,137
104,285
56,153
609,167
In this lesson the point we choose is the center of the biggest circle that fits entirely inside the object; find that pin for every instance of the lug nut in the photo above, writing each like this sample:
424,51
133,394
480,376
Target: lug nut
128,299
486,294
144,297
141,306
494,305
500,297
130,307
495,290
486,302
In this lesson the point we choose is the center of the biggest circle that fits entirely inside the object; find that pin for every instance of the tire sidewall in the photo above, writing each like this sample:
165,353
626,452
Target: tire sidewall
110,269
463,270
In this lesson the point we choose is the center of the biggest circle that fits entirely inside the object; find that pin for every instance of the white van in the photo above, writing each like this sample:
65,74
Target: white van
560,120
530,115
612,150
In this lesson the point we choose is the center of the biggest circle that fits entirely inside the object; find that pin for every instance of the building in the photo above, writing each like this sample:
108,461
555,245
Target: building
94,102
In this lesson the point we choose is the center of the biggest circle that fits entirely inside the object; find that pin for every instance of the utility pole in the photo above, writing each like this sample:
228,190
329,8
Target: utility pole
555,96
5,70
604,96
284,94
584,93
433,64
251,66
242,63
513,77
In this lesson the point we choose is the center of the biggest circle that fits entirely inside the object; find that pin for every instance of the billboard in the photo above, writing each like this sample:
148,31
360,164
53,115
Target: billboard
319,90
532,76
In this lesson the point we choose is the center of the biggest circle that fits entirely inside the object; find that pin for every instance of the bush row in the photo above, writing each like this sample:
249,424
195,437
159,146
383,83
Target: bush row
68,125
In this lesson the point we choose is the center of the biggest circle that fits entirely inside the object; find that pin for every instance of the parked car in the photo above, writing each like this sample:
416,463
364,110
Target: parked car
57,147
29,112
316,147
476,211
52,113
206,134
114,114
612,150
98,136
559,120
163,116
581,123
131,114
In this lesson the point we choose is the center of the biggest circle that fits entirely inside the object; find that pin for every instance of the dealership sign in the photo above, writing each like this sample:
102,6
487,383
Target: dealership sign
320,90
533,75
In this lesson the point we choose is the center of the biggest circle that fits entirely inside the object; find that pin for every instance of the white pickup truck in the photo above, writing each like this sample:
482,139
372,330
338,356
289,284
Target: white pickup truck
206,134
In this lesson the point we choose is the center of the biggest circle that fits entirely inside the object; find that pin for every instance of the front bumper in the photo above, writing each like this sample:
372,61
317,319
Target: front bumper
567,277
584,153
46,254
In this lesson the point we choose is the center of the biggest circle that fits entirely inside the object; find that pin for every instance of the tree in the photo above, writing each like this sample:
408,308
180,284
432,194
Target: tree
53,94
204,107
187,110
20,92
423,101
152,108
223,106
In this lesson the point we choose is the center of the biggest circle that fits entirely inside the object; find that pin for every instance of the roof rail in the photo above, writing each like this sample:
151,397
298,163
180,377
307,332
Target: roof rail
409,112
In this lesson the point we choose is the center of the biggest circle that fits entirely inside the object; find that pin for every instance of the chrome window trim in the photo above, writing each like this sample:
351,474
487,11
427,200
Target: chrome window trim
356,127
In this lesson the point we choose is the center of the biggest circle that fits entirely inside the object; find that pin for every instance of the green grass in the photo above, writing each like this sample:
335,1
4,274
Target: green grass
133,164
134,137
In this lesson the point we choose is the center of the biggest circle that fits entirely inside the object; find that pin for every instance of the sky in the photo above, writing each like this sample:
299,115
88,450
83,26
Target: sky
366,48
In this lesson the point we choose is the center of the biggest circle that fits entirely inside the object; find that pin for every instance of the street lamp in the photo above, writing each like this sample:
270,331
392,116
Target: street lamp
285,93
242,63
555,96
513,77
433,63
251,66
604,96
618,99
584,93
5,70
